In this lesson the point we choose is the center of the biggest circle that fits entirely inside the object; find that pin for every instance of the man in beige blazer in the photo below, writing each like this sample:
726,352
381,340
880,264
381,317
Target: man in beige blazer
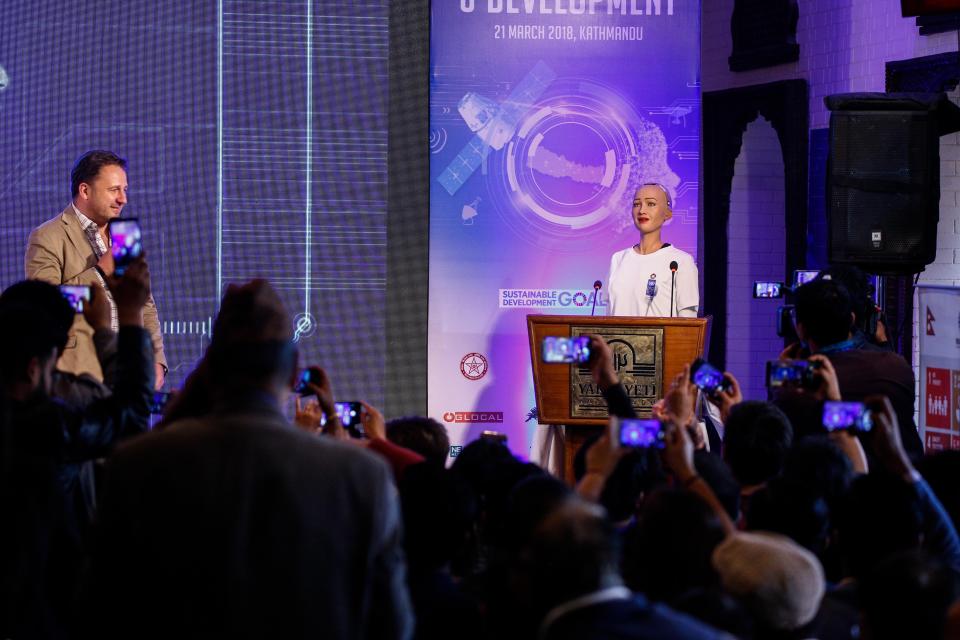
73,248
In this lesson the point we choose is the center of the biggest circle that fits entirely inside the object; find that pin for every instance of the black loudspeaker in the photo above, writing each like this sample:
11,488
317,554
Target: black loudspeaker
883,179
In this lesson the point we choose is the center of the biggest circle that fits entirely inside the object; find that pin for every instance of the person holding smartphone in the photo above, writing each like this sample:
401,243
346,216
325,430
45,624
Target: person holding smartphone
74,248
641,276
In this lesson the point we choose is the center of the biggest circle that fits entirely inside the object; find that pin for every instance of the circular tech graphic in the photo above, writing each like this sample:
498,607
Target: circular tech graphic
573,164
304,326
474,366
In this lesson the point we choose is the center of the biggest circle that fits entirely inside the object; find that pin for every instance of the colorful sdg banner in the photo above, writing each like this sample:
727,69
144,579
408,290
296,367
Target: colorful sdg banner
939,367
545,117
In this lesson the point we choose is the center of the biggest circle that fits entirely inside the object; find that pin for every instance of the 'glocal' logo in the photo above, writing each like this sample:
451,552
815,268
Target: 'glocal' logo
473,417
550,298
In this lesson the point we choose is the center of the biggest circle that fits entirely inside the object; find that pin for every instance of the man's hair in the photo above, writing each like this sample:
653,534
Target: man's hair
824,308
857,284
881,516
756,440
426,436
907,595
638,472
438,516
682,522
48,302
251,343
88,166
803,410
573,552
25,333
792,510
527,504
819,465
720,479
481,463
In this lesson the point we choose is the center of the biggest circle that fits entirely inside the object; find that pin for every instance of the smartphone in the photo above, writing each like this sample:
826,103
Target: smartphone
125,243
803,277
159,402
496,436
306,376
349,414
786,327
848,416
560,350
76,295
707,377
768,289
636,433
790,372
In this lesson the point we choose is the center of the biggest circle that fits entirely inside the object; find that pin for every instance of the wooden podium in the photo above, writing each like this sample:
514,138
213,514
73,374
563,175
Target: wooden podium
648,353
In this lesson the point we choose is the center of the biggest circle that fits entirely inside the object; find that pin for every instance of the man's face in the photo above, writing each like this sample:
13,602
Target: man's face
103,198
650,208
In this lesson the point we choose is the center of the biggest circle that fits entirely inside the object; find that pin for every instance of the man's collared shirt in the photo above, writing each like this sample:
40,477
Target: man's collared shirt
99,249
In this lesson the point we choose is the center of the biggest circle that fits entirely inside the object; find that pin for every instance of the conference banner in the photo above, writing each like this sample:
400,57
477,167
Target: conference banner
939,370
545,117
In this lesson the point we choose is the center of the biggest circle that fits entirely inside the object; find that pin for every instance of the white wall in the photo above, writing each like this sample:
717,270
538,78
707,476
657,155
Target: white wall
756,237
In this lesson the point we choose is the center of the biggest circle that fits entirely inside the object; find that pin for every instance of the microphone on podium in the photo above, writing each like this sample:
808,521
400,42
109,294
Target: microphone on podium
596,293
673,277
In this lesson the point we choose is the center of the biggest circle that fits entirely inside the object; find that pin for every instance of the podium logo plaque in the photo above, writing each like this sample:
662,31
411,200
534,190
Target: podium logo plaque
638,359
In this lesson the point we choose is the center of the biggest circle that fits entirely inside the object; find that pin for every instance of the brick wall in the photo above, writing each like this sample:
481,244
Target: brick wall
844,46
756,238
946,269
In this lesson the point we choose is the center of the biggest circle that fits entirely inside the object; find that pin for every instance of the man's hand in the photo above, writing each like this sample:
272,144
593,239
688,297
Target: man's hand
373,423
851,447
829,388
727,398
679,400
793,351
881,333
307,413
658,410
602,458
97,310
323,390
678,458
678,453
105,263
131,292
601,363
161,376
885,435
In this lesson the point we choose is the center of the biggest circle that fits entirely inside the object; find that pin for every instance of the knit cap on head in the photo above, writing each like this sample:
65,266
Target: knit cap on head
780,581
252,312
